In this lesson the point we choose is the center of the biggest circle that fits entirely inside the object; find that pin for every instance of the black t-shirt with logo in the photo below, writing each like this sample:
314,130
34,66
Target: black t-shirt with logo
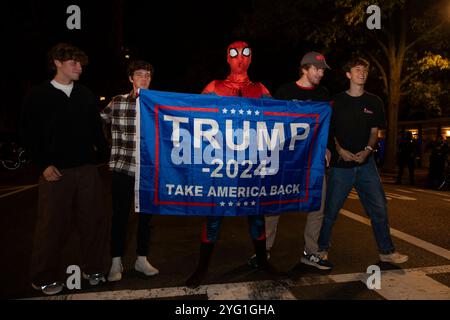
292,91
351,123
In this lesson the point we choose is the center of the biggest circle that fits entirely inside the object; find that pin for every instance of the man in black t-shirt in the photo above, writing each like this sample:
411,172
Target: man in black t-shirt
307,88
357,117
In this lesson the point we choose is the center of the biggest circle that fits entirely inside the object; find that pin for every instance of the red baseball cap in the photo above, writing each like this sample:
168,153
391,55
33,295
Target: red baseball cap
316,59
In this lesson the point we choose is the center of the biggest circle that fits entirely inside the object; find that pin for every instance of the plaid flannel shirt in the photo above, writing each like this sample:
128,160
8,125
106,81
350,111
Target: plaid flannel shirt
121,114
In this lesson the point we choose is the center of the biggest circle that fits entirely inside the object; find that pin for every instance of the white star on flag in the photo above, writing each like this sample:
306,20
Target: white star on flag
238,204
230,204
233,111
224,110
257,113
249,112
241,111
253,203
245,203
222,204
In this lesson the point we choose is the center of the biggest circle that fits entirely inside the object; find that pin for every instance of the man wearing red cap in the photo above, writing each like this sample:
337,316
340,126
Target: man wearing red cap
307,88
239,57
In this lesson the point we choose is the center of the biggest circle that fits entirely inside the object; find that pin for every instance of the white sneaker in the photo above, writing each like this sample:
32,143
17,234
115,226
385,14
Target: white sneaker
394,257
115,273
142,265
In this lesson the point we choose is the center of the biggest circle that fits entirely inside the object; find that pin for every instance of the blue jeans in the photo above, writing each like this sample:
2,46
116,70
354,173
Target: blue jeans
367,183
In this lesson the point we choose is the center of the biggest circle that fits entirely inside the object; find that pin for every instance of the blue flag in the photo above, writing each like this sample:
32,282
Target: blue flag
207,155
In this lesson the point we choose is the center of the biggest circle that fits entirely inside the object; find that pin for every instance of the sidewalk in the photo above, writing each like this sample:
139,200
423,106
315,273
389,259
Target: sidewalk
420,175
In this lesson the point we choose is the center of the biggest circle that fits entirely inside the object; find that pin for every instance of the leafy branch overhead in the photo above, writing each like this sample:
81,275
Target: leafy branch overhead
414,38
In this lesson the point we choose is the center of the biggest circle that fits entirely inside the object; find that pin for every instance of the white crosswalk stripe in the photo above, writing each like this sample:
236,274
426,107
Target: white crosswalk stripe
389,196
433,192
354,196
405,191
442,252
18,189
405,284
399,196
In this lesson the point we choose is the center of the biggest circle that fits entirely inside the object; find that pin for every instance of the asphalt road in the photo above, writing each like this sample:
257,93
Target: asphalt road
419,218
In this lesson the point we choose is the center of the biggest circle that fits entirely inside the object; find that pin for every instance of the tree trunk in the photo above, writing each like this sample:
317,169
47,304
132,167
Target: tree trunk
392,117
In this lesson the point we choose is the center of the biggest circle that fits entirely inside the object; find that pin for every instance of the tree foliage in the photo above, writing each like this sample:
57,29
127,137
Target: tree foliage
414,38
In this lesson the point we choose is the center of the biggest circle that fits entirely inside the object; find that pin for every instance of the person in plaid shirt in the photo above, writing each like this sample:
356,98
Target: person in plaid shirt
121,114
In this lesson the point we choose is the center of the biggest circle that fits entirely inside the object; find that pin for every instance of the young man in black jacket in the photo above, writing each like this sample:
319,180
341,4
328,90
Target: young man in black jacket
61,128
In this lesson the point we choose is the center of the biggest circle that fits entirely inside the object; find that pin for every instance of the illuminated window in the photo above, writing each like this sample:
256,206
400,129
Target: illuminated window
415,133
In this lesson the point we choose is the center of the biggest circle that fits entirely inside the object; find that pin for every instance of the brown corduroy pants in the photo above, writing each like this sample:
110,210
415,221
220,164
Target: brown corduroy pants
75,200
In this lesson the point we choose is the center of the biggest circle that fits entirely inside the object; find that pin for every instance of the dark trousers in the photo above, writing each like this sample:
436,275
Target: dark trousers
211,228
122,199
401,166
75,200
436,173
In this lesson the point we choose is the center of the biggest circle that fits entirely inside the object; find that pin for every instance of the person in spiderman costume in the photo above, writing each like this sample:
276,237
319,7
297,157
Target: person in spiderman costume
239,57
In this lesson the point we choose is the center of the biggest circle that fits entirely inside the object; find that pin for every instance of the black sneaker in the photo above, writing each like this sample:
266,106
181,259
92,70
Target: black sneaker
94,278
49,289
253,262
317,260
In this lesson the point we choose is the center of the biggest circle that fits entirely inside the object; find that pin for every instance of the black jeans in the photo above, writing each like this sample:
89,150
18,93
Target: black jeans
122,199
401,166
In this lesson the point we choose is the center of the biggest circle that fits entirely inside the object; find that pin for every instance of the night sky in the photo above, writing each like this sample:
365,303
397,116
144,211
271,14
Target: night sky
184,40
